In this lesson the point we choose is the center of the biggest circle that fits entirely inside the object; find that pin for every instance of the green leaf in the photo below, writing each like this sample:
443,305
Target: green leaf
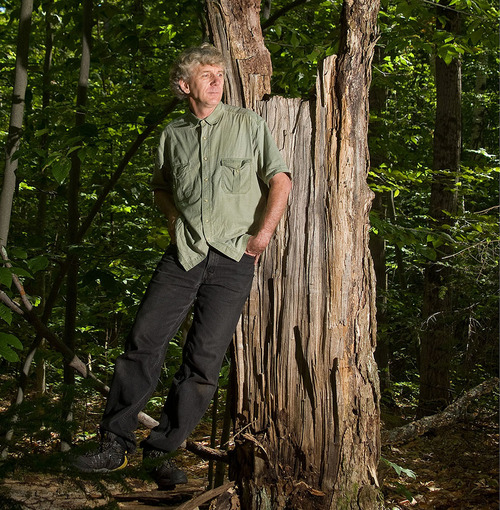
18,253
428,252
9,342
38,263
60,169
19,271
5,314
399,469
41,132
5,277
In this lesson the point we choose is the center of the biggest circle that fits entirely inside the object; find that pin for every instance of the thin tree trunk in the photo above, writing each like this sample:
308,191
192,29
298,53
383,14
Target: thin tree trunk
378,98
377,250
478,114
220,469
16,119
40,228
74,221
307,416
41,220
11,166
437,337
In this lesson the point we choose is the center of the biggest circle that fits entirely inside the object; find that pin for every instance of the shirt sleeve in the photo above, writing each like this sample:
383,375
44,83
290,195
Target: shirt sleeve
162,175
269,159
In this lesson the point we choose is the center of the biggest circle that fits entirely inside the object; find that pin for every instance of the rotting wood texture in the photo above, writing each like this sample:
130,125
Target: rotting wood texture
307,394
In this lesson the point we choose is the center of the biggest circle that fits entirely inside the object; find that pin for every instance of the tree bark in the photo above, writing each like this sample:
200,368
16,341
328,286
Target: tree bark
307,397
437,338
235,29
16,119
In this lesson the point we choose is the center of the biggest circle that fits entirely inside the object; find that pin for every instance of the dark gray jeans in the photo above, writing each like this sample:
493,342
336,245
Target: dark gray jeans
218,287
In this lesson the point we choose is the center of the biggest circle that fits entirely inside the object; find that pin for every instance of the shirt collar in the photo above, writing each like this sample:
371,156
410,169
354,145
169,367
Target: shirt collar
212,119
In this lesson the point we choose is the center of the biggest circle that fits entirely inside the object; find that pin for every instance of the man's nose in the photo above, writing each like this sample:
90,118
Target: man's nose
216,79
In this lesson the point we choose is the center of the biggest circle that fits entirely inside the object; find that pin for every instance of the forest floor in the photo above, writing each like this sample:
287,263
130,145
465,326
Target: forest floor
453,468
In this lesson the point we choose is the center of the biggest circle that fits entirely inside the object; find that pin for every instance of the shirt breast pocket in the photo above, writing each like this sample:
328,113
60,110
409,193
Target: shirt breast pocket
184,185
236,175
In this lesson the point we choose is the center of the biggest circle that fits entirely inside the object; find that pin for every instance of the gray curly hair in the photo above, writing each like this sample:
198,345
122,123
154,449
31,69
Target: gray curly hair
206,54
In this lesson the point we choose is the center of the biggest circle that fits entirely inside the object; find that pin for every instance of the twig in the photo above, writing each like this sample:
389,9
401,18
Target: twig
470,248
488,210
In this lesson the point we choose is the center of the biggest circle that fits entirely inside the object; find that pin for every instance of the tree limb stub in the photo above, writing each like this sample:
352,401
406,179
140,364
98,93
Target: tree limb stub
446,417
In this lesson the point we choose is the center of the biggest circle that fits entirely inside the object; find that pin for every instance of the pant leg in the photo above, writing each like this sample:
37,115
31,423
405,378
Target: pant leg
167,300
220,299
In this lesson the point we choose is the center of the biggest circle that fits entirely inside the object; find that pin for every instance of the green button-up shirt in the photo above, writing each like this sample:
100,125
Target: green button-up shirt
218,170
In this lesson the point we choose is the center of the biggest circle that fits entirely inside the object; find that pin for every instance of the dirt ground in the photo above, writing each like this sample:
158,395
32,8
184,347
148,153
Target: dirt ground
455,468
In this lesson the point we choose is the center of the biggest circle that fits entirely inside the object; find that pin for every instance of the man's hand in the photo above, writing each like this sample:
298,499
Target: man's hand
256,245
279,189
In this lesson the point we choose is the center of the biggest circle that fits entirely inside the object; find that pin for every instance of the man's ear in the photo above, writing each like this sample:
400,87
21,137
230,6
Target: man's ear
184,85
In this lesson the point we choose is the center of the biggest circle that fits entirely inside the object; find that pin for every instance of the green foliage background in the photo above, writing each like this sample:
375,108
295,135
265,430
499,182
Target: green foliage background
134,44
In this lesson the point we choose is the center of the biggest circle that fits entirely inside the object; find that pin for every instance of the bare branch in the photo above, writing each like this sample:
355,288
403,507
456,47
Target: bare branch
207,453
9,303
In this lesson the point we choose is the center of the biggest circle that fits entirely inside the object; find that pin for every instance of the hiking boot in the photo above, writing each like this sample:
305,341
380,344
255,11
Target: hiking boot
163,469
110,456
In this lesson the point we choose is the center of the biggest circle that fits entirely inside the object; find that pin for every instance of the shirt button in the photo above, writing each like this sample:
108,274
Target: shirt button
204,138
205,158
205,200
206,179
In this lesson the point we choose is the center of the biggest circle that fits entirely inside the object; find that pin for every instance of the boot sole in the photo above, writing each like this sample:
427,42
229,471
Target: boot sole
104,470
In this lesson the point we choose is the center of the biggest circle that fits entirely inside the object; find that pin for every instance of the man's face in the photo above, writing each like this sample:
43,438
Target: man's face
204,87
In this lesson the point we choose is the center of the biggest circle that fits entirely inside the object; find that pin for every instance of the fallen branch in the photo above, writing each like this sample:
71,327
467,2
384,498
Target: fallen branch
205,497
446,417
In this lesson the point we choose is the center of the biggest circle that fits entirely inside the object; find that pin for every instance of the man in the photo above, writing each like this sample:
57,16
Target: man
223,187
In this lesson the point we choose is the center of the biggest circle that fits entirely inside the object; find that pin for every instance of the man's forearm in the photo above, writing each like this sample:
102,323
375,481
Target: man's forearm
165,202
280,187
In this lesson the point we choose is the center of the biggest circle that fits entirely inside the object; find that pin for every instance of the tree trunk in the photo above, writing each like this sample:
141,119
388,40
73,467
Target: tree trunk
235,29
307,397
377,101
438,336
16,119
378,253
74,221
41,219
